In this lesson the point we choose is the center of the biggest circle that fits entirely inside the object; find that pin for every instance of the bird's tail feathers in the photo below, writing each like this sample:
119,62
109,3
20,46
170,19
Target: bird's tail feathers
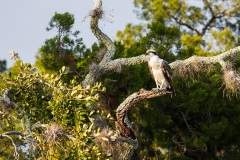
171,89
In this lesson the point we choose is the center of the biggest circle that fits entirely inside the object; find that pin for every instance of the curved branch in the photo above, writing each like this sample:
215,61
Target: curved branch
7,135
107,63
12,133
96,14
123,125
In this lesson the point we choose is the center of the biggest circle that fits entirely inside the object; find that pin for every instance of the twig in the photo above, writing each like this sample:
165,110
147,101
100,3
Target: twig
186,122
16,155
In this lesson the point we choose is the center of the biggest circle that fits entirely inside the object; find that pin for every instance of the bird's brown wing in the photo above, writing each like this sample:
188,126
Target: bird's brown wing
167,72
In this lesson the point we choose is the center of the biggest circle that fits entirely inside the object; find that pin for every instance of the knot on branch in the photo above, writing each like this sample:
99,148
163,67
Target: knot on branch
97,13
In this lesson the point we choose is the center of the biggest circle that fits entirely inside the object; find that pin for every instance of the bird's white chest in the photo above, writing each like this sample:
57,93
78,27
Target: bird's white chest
156,65
155,62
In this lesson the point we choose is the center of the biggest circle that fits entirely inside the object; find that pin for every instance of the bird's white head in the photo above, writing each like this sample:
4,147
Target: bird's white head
151,52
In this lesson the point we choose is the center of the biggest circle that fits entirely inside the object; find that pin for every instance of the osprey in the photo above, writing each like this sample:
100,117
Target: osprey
160,71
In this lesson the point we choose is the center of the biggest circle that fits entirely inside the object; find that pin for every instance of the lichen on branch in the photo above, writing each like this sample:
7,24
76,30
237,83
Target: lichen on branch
231,79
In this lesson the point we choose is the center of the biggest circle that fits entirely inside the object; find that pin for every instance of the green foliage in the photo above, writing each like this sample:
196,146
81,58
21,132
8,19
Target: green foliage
204,22
56,118
225,39
63,22
164,39
65,49
198,118
193,44
14,70
131,34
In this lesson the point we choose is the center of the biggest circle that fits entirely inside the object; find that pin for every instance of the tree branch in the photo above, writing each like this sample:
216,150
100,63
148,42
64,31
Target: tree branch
215,13
186,25
96,14
12,133
117,64
213,17
188,67
123,124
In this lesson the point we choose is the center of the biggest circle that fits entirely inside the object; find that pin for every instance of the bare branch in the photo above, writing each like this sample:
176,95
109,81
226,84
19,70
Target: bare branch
208,6
16,155
123,123
96,14
180,22
188,126
216,12
12,133
180,64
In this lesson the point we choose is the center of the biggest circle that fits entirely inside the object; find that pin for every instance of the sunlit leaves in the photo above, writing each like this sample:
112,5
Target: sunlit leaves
223,40
131,34
61,113
205,18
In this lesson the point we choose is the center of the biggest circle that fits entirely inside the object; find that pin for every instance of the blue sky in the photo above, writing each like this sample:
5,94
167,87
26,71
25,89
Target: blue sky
23,23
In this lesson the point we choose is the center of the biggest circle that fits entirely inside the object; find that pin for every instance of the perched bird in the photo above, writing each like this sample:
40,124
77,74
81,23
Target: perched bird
160,71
